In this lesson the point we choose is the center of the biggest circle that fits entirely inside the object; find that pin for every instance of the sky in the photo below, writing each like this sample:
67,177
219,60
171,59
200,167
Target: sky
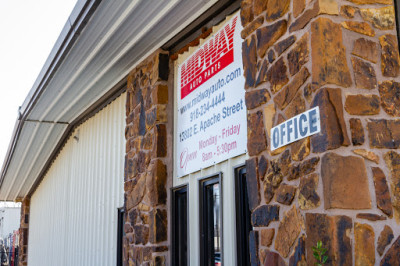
28,32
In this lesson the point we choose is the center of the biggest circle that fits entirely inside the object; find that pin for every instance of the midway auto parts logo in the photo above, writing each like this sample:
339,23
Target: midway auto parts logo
209,59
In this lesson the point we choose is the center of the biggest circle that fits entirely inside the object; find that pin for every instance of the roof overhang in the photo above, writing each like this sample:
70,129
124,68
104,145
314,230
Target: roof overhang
100,43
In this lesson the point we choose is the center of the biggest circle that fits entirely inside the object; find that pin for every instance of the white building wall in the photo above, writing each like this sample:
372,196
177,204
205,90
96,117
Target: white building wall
73,213
9,220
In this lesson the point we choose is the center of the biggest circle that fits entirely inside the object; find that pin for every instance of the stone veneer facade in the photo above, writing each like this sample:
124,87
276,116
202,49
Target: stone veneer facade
147,162
23,233
341,186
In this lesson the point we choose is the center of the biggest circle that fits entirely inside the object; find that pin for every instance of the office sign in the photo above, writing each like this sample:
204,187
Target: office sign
211,112
296,128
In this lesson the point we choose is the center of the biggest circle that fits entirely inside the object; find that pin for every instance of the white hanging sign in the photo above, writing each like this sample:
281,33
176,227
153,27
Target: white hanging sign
298,127
211,111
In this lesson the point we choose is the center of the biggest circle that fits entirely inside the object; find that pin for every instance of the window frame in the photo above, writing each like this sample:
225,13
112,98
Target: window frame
184,188
397,14
206,181
120,235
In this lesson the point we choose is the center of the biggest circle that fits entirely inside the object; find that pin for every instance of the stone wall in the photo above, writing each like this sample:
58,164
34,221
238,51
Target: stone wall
147,163
341,186
23,233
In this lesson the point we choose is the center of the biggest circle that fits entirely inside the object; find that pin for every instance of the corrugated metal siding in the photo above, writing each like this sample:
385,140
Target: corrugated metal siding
73,213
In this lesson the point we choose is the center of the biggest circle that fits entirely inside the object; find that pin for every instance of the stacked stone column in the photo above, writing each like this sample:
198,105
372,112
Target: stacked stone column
23,233
146,163
341,186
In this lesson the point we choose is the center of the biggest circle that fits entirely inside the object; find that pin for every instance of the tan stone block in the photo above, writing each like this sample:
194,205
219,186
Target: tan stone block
269,117
364,237
359,27
276,9
369,2
259,6
298,7
362,104
345,182
382,18
267,235
288,231
369,155
329,62
252,27
299,55
329,7
300,149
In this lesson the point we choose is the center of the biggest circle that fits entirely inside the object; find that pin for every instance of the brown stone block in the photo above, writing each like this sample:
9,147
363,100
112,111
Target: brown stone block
362,104
308,197
267,235
160,145
369,155
333,127
298,258
269,191
383,200
345,182
390,97
143,160
276,9
333,232
136,196
288,231
364,244
298,7
155,183
359,27
392,256
348,11
264,215
299,55
384,239
158,226
277,76
271,56
328,54
255,24
256,98
357,131
382,18
249,60
256,134
273,258
282,46
392,160
267,36
364,74
300,149
366,49
147,141
259,6
262,74
297,106
384,134
371,217
141,234
286,95
160,94
262,167
390,60
252,181
285,194
308,92
303,169
246,12
305,18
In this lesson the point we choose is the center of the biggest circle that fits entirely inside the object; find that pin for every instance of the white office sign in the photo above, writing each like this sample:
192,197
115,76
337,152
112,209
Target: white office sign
298,127
211,111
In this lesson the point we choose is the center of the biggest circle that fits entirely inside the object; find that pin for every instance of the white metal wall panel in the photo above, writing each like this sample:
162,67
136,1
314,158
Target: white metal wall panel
73,213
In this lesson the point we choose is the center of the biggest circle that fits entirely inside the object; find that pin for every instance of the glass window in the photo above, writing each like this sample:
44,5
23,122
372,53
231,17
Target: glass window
179,227
243,217
210,221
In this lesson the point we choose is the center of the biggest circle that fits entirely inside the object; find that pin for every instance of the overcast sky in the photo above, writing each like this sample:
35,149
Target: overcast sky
28,31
